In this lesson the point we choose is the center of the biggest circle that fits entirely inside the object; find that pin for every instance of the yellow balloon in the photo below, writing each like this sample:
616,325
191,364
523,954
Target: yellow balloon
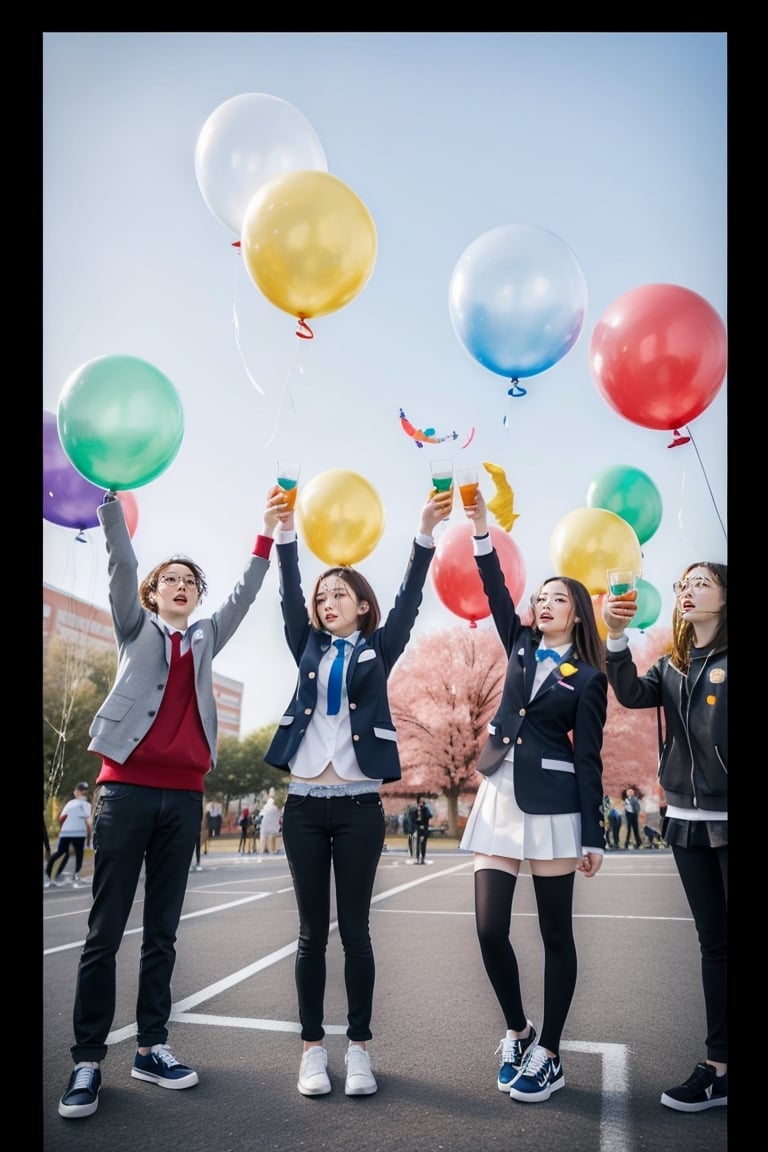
340,516
309,243
597,602
588,541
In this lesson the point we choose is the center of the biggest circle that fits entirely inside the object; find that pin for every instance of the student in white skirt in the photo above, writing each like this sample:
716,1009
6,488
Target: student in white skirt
540,801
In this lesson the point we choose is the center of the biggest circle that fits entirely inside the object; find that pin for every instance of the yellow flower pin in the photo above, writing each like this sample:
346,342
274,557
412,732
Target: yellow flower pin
567,670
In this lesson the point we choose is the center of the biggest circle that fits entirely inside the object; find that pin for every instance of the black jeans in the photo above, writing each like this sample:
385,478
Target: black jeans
704,875
422,835
77,844
348,833
133,825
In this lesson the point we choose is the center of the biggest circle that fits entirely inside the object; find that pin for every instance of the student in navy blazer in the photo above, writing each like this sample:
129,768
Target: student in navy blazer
338,741
540,800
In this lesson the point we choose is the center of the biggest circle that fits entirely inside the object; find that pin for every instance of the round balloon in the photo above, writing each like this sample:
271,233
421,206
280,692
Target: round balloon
68,498
456,579
629,493
341,516
130,510
648,605
517,300
658,355
245,142
120,421
587,541
309,243
597,603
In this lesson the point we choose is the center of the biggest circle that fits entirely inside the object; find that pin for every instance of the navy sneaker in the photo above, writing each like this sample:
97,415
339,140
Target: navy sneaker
160,1066
512,1052
82,1095
539,1076
703,1089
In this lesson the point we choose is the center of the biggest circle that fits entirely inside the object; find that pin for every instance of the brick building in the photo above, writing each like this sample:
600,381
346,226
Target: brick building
76,620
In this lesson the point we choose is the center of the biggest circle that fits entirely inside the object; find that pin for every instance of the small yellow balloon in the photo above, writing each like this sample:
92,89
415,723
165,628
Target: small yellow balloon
309,243
340,516
588,541
597,601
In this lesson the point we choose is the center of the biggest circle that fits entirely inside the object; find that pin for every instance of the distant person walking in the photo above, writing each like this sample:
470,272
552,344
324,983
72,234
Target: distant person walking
632,809
421,816
74,835
269,831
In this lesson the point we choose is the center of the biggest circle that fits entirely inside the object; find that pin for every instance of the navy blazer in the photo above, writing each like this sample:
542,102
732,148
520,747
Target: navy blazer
374,737
558,735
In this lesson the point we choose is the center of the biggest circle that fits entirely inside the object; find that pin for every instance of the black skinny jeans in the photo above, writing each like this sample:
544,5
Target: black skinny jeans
77,844
133,825
704,875
633,828
348,833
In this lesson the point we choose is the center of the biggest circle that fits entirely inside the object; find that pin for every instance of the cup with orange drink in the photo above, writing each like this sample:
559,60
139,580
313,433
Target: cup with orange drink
288,479
468,485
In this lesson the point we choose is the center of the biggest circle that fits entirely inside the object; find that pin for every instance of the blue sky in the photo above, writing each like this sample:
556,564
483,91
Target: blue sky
614,142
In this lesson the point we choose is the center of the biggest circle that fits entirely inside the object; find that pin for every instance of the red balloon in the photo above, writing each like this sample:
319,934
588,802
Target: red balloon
455,576
130,510
658,355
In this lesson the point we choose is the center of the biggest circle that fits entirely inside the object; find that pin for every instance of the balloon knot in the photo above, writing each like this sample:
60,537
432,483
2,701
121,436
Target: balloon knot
517,389
236,244
304,332
473,623
678,440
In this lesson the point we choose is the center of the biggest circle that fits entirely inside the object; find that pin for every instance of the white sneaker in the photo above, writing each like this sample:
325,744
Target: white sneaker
360,1079
313,1077
76,884
47,883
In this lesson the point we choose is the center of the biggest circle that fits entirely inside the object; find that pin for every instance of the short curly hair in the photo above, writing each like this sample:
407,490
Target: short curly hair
149,584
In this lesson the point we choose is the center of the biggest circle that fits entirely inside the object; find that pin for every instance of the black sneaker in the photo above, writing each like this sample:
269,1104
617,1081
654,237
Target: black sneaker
161,1067
512,1052
703,1089
82,1095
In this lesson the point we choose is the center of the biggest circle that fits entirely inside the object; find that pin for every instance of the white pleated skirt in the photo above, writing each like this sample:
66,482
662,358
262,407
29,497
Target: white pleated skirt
497,827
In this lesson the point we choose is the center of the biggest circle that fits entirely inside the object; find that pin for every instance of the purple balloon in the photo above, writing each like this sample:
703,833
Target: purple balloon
68,498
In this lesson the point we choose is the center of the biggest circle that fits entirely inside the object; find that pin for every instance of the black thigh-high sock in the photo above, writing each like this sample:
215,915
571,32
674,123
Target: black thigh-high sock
554,900
494,890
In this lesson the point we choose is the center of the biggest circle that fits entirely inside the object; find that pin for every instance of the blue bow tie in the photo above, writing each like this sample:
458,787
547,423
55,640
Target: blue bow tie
544,653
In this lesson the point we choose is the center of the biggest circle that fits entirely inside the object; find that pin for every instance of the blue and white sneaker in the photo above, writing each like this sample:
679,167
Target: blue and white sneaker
82,1095
161,1067
512,1053
539,1076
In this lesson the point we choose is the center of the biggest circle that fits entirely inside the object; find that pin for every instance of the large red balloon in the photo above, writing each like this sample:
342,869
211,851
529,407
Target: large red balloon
658,355
455,576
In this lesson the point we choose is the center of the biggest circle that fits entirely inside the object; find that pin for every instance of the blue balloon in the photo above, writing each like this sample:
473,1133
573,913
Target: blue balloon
517,300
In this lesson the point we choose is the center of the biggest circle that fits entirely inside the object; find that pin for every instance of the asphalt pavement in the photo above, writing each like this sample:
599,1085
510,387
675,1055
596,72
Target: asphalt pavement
636,1025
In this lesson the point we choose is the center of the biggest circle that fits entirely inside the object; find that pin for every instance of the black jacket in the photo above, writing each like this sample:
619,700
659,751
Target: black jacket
693,767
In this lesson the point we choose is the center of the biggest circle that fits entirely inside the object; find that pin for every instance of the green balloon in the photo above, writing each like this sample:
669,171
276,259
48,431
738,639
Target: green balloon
631,494
120,421
648,605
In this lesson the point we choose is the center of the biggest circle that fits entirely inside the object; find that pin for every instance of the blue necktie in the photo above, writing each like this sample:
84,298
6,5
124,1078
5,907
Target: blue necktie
543,653
335,678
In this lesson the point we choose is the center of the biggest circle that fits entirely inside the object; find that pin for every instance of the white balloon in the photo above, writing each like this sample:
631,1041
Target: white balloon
245,142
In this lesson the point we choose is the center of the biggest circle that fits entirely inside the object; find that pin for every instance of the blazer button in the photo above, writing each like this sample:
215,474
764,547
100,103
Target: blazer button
355,738
307,711
152,713
311,675
521,712
505,740
352,706
519,740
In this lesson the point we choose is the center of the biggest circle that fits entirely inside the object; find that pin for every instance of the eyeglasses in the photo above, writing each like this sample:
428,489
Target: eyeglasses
171,579
697,584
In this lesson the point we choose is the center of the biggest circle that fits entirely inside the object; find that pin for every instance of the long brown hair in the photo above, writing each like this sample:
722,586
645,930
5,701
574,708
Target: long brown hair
683,631
587,644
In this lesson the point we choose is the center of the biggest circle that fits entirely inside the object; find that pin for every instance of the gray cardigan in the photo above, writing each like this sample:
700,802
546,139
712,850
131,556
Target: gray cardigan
144,647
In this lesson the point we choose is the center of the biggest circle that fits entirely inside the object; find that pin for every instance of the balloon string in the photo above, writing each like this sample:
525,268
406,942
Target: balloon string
706,481
236,329
285,393
304,331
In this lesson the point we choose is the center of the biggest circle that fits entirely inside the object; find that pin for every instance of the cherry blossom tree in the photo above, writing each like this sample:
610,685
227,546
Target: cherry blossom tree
442,694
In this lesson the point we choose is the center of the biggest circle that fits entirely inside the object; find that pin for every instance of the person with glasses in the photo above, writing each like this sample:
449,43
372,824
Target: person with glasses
156,735
690,686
